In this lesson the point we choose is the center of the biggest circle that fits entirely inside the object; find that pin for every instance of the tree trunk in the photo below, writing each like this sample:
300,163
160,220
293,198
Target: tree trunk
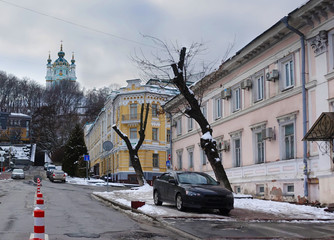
207,143
133,151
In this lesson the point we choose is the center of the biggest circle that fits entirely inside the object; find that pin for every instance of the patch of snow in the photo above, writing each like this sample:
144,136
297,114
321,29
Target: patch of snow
207,136
241,201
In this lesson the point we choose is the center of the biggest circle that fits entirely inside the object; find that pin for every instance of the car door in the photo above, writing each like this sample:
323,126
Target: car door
162,185
171,189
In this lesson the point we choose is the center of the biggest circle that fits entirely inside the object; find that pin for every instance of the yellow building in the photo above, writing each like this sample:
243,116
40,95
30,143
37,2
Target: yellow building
123,109
15,128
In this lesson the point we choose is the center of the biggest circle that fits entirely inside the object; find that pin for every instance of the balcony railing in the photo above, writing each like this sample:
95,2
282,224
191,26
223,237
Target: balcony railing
130,118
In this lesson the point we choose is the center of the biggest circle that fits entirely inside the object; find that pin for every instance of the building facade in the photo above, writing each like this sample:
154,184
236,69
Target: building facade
123,109
15,128
259,104
60,69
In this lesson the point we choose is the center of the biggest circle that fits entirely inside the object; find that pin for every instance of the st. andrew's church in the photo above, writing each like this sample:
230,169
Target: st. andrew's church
60,70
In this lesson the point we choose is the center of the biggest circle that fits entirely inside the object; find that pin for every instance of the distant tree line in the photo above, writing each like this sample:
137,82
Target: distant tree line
55,111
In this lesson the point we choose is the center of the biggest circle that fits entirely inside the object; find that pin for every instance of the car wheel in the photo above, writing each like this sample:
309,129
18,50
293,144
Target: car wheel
224,211
156,198
179,202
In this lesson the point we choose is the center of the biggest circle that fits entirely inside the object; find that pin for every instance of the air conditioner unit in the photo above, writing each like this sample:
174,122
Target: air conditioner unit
226,93
225,146
268,133
246,84
272,75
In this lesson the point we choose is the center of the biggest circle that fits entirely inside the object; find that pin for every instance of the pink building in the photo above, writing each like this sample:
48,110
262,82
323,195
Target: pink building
260,110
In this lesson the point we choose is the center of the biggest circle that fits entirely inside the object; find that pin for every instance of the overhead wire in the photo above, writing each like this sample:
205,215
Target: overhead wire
76,24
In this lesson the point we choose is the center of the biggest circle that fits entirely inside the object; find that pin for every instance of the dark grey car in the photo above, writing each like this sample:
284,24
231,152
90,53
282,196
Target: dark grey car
193,190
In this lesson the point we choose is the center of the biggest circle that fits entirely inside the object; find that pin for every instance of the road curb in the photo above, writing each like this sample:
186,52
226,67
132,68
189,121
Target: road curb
161,221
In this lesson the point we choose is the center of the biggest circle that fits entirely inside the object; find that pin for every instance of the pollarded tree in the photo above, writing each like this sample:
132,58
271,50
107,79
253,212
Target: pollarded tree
75,148
181,73
194,111
133,150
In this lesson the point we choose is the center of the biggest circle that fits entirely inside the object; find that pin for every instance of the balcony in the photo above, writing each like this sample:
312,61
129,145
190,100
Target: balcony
130,118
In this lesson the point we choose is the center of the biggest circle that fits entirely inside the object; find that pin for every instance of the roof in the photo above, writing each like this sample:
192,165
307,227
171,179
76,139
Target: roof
322,129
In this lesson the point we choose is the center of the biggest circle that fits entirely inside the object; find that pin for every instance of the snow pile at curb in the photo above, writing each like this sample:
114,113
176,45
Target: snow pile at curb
282,209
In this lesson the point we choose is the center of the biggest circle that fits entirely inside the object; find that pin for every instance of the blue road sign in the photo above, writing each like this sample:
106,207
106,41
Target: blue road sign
168,163
86,157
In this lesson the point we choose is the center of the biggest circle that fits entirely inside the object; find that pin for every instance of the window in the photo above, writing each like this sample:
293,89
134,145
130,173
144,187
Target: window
217,108
204,111
168,136
155,160
287,136
236,99
203,157
179,159
289,141
220,144
237,189
259,148
237,153
179,126
154,110
190,124
191,158
133,111
259,189
133,133
287,70
155,134
289,189
259,91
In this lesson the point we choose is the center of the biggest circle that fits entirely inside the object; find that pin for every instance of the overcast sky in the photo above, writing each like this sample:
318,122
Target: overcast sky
103,34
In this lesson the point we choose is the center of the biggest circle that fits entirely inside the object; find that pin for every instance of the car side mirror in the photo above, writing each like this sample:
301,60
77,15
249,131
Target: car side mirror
172,181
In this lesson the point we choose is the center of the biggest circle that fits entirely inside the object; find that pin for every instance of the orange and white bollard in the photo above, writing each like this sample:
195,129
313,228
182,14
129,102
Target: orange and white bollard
38,185
40,203
39,228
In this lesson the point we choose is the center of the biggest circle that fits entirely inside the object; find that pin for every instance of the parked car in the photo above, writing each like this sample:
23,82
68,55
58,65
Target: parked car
50,168
193,190
57,175
46,166
18,173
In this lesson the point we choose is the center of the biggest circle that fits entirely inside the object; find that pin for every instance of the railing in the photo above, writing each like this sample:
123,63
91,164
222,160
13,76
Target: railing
131,117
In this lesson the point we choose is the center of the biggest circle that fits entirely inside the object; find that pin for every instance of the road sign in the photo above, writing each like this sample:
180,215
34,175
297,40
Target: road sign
168,163
86,157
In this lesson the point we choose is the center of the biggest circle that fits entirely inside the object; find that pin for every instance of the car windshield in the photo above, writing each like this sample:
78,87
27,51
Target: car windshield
17,171
195,178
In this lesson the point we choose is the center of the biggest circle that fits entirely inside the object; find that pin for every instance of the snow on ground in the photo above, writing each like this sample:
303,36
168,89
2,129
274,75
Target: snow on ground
145,194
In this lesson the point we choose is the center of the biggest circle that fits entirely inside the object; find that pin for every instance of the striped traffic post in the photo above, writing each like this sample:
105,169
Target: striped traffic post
39,228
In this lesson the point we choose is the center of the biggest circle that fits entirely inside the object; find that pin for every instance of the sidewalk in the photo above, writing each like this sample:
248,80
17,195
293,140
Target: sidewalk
244,209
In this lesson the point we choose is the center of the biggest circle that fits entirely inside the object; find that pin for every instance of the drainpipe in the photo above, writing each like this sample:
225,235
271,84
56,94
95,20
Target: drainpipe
302,42
170,138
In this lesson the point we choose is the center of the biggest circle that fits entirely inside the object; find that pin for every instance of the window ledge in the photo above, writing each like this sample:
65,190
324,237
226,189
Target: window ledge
287,88
258,100
288,195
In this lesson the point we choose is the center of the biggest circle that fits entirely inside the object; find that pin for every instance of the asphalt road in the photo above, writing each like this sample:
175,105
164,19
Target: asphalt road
70,213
